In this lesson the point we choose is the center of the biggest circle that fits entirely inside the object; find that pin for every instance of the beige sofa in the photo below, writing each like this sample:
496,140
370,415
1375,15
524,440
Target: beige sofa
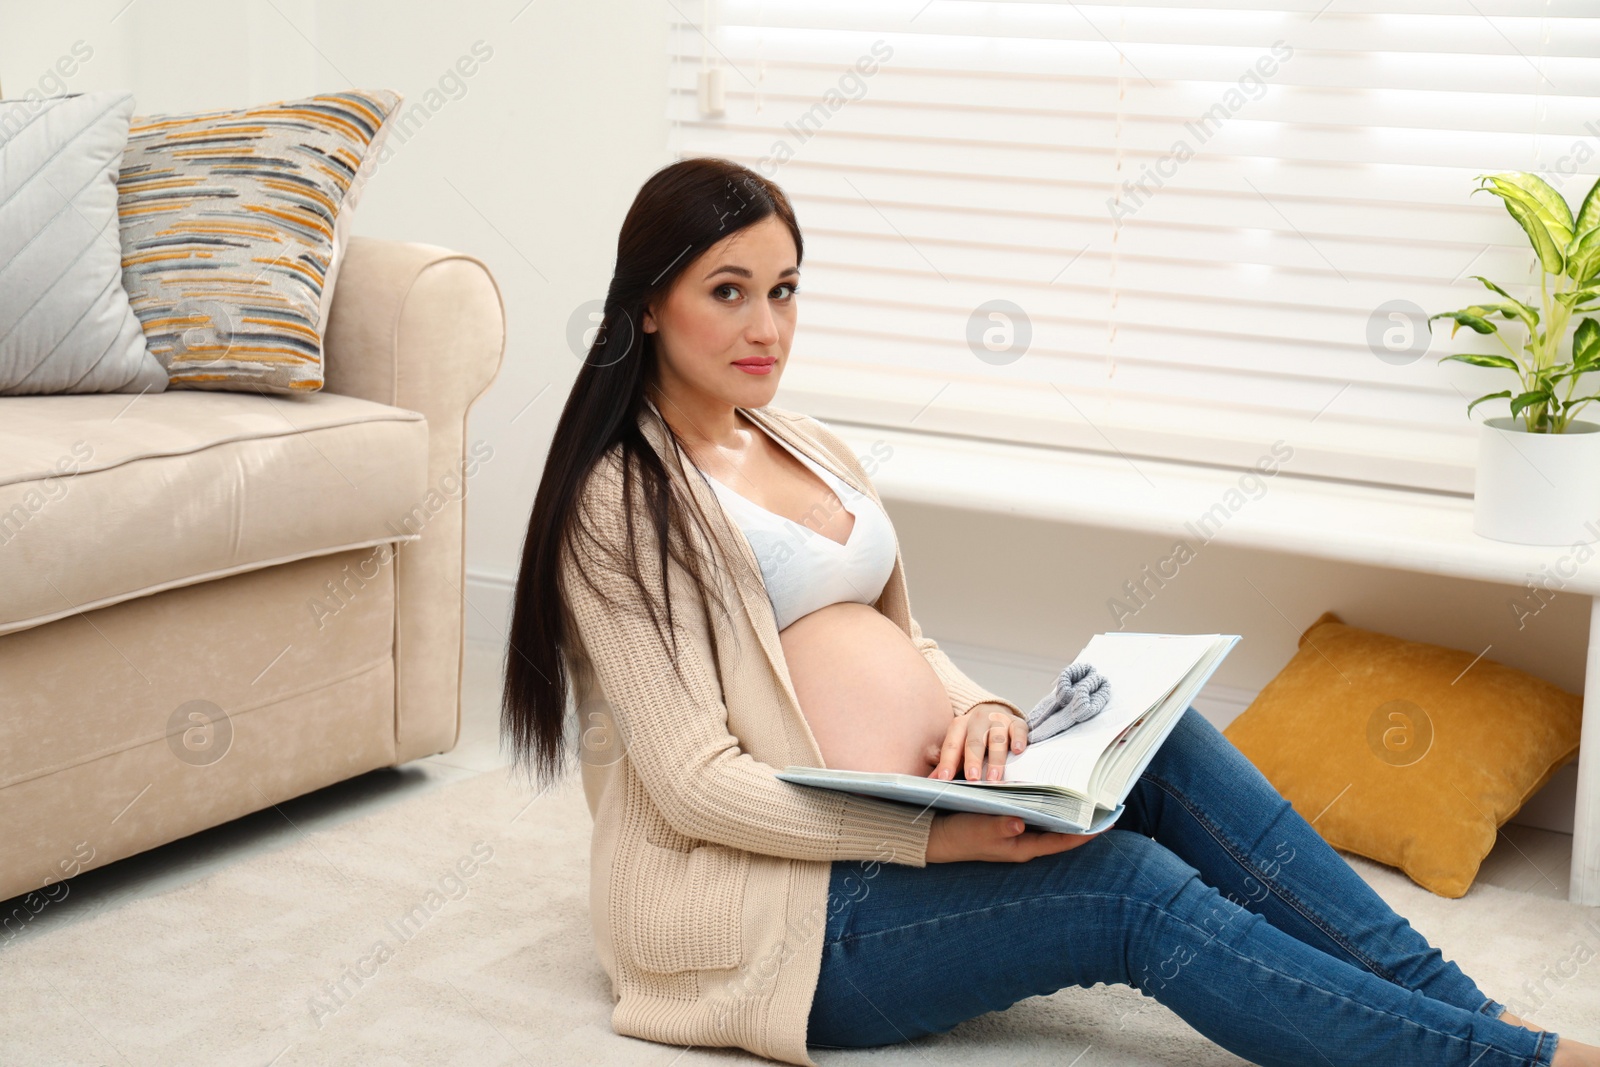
211,602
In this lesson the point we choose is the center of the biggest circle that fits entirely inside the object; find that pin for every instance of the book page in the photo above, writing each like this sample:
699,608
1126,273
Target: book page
1122,764
1142,669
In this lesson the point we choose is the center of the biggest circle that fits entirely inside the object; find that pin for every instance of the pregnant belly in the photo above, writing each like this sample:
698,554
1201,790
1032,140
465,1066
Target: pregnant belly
872,702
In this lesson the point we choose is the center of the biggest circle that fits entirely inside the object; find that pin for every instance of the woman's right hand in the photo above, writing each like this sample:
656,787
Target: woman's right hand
957,836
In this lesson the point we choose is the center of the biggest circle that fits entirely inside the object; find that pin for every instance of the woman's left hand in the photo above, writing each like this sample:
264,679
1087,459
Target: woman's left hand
990,729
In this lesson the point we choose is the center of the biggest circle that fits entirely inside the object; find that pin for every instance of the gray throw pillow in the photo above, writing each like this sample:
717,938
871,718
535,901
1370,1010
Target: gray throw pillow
65,322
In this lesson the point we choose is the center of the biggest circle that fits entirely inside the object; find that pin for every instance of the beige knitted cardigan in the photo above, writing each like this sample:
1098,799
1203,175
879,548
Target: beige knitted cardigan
709,876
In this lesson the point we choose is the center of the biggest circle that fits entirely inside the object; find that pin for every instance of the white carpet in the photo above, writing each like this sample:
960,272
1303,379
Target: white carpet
239,967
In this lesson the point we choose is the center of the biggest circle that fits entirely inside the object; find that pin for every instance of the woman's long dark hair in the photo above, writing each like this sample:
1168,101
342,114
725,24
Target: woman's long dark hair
682,210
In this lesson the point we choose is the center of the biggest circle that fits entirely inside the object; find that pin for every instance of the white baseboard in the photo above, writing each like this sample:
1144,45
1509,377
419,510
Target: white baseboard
1023,679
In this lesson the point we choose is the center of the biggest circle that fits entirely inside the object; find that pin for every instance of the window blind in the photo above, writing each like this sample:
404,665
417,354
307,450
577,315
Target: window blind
1177,230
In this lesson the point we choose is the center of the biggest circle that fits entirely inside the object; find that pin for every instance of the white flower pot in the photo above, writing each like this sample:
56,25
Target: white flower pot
1537,488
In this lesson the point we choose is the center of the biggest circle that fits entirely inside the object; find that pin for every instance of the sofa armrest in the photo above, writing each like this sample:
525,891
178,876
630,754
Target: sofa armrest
421,327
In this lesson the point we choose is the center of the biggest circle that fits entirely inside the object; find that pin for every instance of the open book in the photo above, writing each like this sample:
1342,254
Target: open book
1075,782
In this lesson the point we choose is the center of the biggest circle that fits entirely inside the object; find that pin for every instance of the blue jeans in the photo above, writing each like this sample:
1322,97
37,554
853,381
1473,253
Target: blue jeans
1210,893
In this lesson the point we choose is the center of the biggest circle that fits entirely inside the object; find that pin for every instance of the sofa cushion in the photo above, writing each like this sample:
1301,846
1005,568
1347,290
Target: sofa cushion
105,497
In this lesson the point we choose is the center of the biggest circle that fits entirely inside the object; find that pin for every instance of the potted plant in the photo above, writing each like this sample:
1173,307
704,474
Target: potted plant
1538,474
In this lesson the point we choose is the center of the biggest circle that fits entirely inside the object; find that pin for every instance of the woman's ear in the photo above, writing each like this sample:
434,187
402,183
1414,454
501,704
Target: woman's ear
649,321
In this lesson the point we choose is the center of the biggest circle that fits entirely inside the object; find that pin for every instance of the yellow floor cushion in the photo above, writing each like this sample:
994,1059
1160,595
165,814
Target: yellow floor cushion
1397,751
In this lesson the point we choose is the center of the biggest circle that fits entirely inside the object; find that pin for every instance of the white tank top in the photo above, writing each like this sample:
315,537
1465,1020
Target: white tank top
804,569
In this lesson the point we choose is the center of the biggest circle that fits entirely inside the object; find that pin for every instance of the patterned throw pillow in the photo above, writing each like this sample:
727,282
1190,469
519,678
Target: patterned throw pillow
234,224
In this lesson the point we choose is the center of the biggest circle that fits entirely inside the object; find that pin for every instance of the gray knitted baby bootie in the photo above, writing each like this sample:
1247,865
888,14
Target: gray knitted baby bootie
1080,693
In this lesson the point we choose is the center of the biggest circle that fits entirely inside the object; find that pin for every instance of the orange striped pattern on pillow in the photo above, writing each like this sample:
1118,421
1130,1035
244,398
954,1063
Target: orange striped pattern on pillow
232,225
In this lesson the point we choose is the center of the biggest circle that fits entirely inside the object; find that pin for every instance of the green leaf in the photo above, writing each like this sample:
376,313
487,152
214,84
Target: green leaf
1586,344
1491,285
1465,318
1583,254
1534,397
1570,411
1487,396
1589,213
1527,313
1574,297
1544,243
1537,194
1514,310
1480,359
1546,194
1568,404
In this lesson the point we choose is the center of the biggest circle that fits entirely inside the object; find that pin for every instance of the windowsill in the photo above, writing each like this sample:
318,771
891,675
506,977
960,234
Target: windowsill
1332,443
1409,529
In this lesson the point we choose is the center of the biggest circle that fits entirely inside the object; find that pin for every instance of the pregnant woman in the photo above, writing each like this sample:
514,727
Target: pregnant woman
712,582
